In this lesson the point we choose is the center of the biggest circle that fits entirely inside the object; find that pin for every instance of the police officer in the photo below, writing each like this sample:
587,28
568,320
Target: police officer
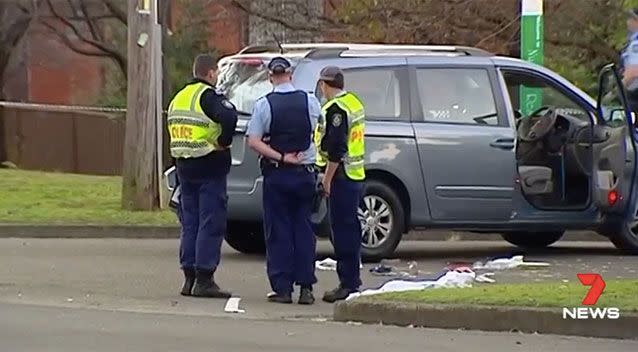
201,123
629,60
342,153
281,132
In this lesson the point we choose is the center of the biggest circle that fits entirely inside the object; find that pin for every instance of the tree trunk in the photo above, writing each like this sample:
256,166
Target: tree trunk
167,85
140,183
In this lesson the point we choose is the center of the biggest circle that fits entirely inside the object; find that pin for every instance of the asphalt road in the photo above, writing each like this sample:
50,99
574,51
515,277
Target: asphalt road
34,329
73,293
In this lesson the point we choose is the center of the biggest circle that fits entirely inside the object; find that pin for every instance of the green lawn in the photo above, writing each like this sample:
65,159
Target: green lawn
618,293
55,198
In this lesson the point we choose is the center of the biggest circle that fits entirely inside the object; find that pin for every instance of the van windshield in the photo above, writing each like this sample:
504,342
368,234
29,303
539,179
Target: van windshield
244,80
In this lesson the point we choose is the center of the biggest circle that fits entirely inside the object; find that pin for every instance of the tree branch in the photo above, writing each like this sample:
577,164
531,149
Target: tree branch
116,11
71,44
114,54
94,31
304,25
501,30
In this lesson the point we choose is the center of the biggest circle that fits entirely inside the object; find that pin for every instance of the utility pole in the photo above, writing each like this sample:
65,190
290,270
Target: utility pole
140,183
532,50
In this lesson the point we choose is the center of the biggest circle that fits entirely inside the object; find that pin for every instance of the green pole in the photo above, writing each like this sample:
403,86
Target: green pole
531,50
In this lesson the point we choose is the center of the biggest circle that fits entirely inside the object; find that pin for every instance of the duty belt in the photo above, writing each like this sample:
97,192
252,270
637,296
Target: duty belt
266,163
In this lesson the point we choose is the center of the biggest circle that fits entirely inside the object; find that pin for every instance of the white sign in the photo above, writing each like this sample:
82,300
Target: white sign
532,8
585,313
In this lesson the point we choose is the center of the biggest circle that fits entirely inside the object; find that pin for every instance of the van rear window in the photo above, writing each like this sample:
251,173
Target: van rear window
244,80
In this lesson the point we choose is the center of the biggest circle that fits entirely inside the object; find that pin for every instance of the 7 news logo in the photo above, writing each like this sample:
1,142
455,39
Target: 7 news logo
597,286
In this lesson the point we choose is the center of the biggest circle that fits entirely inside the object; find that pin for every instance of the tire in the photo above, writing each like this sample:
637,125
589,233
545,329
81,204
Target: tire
246,238
624,236
533,240
380,196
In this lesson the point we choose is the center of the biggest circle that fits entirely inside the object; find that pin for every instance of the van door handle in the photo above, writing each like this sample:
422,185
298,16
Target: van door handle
503,143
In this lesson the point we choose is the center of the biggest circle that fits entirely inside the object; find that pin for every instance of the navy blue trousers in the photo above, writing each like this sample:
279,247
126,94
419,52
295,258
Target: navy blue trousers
345,196
202,213
290,240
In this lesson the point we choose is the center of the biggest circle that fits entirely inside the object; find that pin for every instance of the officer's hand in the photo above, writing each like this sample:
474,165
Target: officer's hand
325,187
293,158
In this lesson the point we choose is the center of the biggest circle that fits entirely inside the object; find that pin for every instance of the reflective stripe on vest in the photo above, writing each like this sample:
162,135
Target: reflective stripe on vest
354,159
192,133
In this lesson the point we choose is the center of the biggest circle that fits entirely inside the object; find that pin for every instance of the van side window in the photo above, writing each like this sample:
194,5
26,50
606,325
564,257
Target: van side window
529,93
458,96
378,88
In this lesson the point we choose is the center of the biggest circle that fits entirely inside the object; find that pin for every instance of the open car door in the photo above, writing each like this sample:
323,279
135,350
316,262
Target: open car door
613,146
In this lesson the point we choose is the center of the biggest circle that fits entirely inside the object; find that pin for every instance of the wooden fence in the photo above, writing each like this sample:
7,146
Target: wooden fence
64,140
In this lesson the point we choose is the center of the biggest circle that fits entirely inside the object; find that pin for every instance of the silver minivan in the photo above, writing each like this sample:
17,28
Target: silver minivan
456,138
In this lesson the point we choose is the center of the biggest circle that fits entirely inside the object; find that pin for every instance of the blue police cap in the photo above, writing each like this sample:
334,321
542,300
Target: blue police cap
279,65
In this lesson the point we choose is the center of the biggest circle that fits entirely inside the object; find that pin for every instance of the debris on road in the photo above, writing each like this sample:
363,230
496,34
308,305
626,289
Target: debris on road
507,263
413,268
232,305
329,264
485,278
382,270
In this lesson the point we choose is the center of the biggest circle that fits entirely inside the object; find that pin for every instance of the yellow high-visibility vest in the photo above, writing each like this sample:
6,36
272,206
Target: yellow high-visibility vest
192,133
353,162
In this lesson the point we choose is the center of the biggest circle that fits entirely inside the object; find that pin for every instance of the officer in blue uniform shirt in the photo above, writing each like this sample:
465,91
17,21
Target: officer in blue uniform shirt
629,60
281,131
201,124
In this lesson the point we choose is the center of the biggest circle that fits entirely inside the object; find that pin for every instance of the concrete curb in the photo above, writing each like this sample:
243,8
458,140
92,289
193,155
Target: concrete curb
88,231
164,232
527,320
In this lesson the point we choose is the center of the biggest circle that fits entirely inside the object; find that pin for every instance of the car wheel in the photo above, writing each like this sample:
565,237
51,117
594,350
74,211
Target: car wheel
382,221
246,237
533,239
625,236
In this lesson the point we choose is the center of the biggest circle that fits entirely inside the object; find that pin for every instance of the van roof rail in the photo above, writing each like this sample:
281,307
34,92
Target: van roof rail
316,50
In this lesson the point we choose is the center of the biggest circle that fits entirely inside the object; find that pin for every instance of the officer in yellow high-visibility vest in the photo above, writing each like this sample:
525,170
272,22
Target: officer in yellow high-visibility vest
342,150
201,123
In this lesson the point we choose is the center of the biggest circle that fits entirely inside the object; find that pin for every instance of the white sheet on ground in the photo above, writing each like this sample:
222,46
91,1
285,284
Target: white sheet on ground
450,279
507,263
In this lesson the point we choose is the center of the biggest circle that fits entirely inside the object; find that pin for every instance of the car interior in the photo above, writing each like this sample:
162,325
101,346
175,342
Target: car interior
558,152
554,158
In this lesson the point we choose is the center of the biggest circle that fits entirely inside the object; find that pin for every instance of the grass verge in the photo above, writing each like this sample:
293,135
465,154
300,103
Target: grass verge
30,197
618,293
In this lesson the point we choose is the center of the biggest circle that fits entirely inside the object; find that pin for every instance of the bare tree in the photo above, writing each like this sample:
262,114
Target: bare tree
291,20
15,19
490,24
88,27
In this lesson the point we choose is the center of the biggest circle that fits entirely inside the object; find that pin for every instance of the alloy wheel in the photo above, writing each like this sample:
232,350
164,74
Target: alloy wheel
376,219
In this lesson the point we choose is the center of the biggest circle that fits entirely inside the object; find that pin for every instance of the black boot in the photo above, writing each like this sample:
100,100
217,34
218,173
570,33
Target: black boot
285,298
306,296
338,294
205,286
189,281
